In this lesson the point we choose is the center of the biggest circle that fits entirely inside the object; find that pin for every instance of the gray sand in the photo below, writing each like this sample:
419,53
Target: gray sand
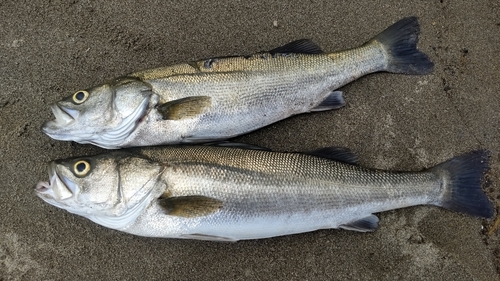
397,122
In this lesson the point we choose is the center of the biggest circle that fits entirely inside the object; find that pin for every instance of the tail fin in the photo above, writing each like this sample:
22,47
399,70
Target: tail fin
462,184
400,41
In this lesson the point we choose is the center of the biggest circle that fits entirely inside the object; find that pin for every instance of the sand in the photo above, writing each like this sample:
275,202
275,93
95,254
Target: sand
396,122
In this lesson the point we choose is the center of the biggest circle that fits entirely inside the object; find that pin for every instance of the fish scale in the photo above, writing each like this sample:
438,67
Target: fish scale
280,185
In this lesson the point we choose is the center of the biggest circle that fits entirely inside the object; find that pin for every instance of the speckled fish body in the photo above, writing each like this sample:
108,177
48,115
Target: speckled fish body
229,194
225,97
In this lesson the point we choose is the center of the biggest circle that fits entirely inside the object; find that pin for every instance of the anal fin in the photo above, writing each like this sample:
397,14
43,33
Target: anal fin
334,101
367,224
184,108
207,237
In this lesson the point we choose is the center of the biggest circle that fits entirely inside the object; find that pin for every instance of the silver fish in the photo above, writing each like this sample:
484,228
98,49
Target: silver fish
220,98
229,194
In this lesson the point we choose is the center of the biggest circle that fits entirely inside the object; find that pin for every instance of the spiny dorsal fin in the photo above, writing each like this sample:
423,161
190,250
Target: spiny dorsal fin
367,224
189,206
184,108
341,154
302,46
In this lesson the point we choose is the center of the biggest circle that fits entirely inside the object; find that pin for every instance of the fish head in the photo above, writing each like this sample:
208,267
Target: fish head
110,189
104,115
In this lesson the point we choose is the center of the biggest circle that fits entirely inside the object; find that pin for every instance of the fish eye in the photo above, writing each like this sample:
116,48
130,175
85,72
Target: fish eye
80,96
81,168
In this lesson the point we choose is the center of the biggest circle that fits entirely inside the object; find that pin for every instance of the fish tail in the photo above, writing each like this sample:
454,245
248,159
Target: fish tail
400,43
461,181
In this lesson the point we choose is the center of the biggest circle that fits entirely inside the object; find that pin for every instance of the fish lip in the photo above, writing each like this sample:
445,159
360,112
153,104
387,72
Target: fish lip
63,117
43,186
61,113
45,189
70,112
61,128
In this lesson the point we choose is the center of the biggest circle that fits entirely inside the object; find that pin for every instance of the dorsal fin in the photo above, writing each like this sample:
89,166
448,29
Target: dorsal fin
302,46
341,154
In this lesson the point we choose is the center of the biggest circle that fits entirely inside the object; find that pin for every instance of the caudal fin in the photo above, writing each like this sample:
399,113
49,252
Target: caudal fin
400,42
462,178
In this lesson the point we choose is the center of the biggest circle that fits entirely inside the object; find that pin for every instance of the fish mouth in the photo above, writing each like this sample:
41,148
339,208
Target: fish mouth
64,117
57,189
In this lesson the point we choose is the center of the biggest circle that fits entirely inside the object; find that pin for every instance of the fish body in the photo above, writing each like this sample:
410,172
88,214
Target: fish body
220,98
230,194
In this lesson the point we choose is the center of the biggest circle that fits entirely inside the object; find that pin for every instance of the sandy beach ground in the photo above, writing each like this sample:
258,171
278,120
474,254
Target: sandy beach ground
50,49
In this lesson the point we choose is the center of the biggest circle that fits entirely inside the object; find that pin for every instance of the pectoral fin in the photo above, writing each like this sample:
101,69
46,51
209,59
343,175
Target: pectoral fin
367,224
189,206
184,108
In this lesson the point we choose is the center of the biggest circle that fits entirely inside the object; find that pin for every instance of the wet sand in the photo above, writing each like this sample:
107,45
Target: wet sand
396,122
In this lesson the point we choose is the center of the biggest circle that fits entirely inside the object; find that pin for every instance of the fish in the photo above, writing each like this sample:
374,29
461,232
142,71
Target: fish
225,193
221,98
